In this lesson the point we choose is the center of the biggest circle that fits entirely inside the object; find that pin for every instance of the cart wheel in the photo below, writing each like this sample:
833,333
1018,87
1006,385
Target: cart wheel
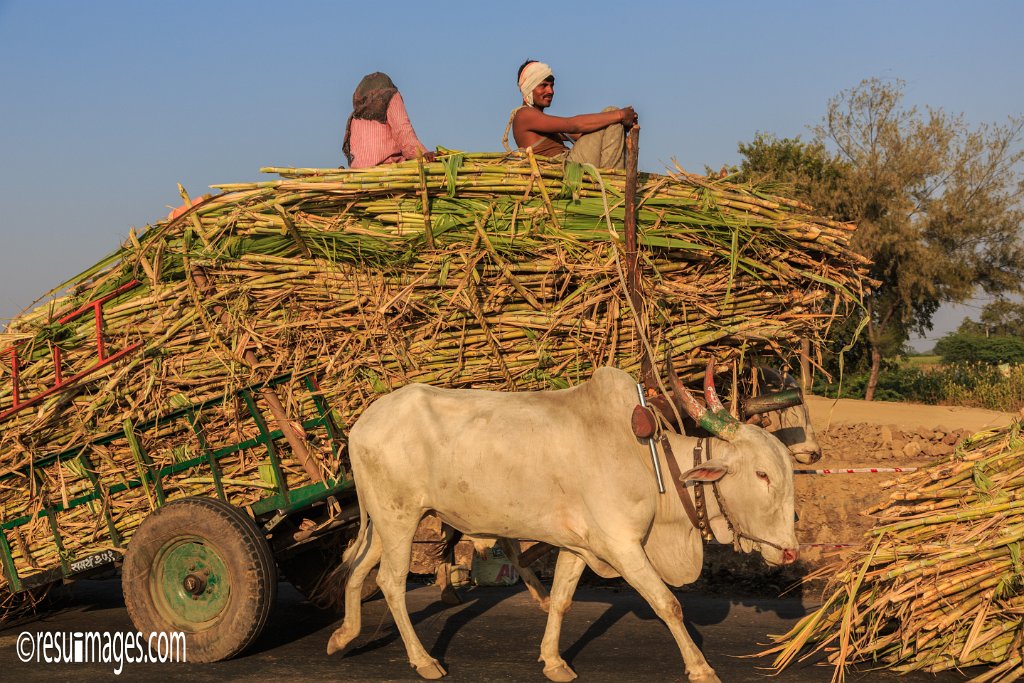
200,566
310,571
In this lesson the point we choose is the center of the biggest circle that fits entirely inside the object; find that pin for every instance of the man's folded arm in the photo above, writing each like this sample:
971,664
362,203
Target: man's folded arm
580,124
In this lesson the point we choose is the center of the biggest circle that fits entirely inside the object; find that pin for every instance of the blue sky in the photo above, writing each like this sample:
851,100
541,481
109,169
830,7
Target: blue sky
105,106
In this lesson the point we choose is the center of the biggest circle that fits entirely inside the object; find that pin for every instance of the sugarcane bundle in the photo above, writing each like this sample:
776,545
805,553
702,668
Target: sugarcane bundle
478,270
23,605
939,582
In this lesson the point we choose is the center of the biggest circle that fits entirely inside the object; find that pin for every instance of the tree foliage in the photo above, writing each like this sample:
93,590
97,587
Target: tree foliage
998,318
804,170
937,203
963,347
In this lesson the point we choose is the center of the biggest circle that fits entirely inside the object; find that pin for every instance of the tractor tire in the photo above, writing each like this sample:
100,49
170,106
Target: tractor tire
202,567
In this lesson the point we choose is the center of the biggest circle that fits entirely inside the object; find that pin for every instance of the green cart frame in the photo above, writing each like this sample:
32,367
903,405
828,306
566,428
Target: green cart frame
203,565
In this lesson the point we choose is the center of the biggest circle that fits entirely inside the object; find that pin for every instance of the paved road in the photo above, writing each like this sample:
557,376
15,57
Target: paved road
610,635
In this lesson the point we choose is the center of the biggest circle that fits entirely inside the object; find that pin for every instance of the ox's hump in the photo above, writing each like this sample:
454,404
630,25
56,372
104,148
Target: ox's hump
605,380
606,398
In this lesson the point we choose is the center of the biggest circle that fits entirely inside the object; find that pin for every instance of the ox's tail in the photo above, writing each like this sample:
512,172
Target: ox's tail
445,550
329,591
361,545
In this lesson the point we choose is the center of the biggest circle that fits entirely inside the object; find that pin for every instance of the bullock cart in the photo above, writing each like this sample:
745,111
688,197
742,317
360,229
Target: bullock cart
210,367
203,564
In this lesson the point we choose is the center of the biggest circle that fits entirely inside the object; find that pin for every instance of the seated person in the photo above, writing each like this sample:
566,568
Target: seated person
379,130
599,138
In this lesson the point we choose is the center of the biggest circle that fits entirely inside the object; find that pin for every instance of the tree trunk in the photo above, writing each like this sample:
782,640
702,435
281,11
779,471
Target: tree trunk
876,352
876,366
805,366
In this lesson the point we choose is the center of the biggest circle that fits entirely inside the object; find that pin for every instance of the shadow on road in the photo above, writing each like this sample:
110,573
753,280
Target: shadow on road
699,610
303,619
609,606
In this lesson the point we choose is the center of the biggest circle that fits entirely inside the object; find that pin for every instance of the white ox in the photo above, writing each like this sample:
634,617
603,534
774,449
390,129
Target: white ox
768,399
562,467
790,422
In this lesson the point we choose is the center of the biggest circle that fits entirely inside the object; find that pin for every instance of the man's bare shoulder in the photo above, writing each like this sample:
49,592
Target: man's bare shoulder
525,116
535,120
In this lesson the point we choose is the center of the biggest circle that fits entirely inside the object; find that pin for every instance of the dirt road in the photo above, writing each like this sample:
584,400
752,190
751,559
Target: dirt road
827,412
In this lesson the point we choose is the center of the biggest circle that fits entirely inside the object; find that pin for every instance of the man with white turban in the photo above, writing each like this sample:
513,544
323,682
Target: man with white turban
599,138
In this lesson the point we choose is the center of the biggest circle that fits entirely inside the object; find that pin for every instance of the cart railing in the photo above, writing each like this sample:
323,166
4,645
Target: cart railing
103,358
283,500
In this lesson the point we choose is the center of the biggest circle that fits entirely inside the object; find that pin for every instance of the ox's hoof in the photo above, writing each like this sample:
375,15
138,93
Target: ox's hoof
339,641
708,677
560,673
544,604
450,596
431,671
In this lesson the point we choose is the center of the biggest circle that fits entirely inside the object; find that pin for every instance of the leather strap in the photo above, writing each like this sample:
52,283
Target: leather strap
684,496
699,489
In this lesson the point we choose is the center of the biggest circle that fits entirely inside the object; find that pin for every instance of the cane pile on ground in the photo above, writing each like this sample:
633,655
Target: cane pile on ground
939,582
479,270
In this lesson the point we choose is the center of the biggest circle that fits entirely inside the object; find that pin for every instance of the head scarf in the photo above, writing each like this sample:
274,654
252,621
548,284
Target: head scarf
533,75
369,102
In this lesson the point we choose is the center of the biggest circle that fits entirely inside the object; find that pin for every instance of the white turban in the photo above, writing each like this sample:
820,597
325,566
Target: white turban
533,75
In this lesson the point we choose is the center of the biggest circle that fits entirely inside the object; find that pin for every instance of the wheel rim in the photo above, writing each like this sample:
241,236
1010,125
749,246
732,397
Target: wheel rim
189,583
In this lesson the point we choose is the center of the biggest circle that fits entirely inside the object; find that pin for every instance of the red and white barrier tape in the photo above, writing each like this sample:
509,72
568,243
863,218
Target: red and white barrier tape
859,470
826,546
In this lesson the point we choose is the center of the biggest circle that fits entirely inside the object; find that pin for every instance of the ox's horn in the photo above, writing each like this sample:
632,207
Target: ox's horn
710,394
718,421
776,400
684,400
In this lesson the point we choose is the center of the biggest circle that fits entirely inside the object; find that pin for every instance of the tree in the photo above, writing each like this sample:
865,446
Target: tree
937,204
998,318
803,169
960,347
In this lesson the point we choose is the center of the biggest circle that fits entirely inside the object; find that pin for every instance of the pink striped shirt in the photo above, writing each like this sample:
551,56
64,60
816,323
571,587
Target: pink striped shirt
373,143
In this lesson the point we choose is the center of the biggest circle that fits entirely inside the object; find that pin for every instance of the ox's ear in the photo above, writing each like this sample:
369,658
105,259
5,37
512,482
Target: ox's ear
707,473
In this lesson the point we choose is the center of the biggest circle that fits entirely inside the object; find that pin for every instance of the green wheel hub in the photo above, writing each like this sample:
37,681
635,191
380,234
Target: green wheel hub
189,583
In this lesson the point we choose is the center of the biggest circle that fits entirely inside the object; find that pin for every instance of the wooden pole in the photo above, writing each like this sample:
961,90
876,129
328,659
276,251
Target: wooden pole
632,159
632,255
805,365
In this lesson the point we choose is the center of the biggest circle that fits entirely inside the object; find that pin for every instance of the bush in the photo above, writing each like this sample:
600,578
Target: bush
894,384
998,389
965,347
977,384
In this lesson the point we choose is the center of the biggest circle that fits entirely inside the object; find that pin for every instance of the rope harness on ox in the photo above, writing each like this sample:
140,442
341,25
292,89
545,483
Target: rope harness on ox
696,509
650,425
702,511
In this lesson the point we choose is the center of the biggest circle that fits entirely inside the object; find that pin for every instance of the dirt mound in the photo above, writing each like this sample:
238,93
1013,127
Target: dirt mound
829,506
864,435
887,445
826,412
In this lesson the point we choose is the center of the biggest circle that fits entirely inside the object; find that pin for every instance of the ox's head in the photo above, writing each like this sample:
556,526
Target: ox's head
752,471
776,402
